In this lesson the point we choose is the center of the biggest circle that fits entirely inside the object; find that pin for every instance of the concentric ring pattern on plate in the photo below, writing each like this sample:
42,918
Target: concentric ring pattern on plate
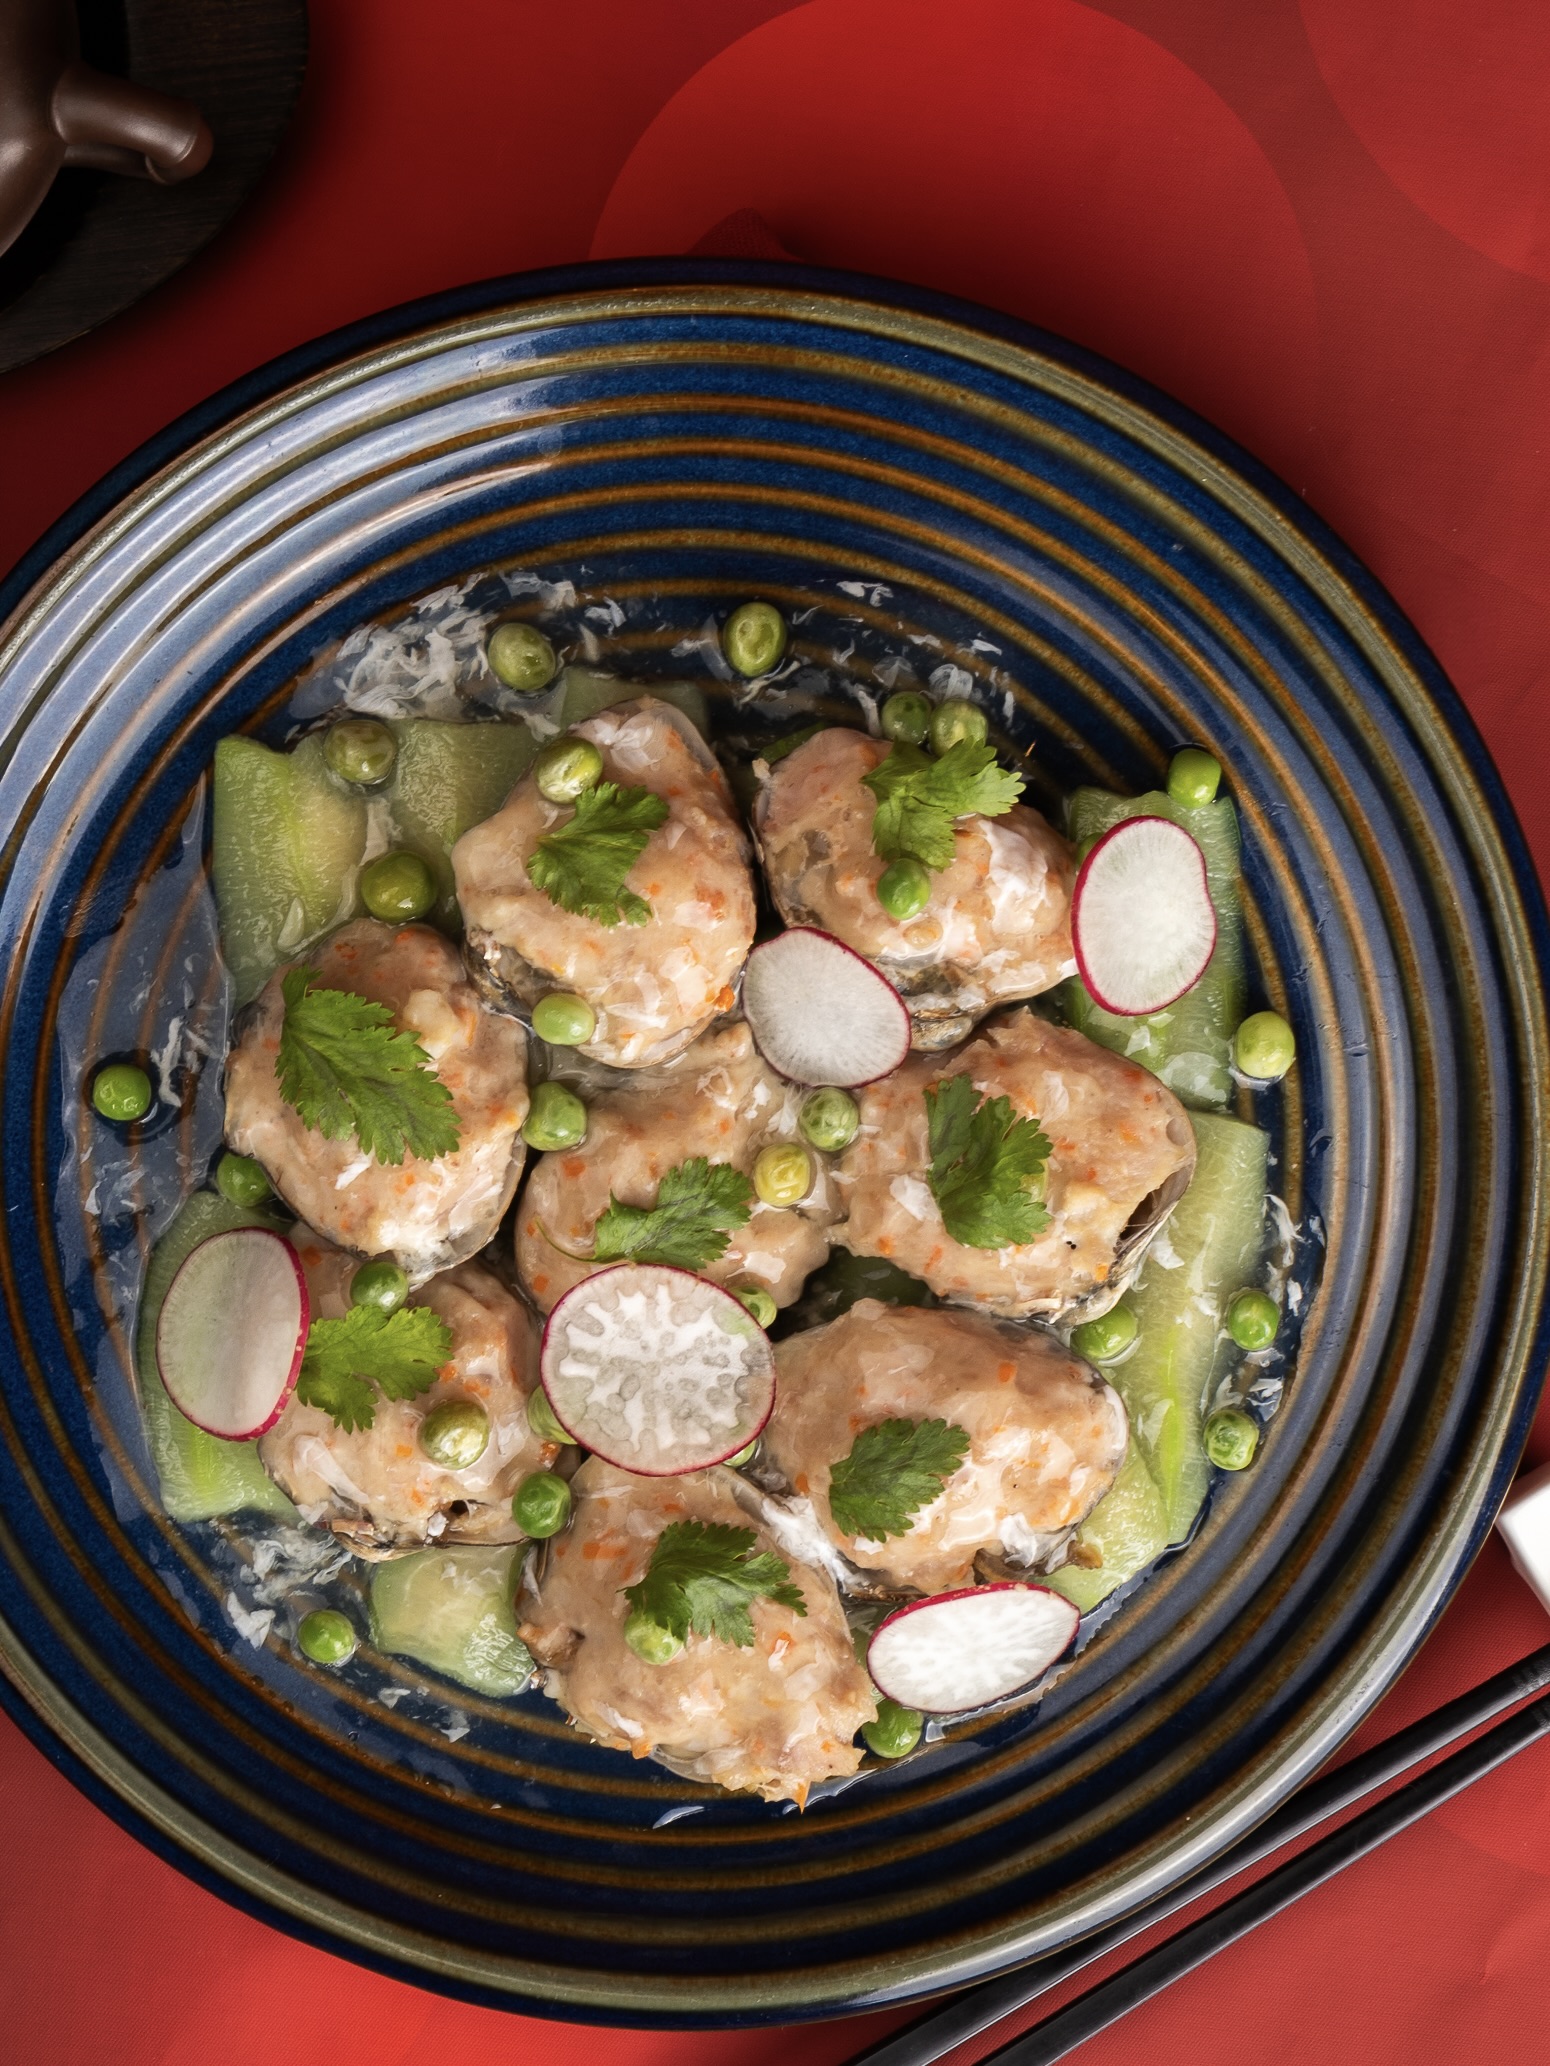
694,433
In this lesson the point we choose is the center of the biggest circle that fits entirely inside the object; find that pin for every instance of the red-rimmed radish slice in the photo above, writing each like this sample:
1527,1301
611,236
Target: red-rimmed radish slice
966,1649
232,1332
1142,921
657,1370
820,1014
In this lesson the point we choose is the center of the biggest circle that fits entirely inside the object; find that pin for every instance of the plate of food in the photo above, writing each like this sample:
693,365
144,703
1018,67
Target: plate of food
774,1144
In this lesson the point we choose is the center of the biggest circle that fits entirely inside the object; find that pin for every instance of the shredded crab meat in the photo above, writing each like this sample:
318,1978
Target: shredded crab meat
1046,1434
656,1366
773,1719
719,1100
1118,1137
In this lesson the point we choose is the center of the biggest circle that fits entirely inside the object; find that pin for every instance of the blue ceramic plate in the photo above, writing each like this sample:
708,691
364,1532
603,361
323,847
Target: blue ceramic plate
1117,580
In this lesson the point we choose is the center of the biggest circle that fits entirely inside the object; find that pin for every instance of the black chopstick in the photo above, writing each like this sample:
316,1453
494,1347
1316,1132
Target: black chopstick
1106,2003
964,2016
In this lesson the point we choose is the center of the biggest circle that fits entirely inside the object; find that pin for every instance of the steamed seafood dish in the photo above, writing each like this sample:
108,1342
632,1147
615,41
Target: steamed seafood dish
771,1340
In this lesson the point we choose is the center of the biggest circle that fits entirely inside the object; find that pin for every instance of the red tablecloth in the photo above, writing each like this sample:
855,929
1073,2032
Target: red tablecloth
1325,226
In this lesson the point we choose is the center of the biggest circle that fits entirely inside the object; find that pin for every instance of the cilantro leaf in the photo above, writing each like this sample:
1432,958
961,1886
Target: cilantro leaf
987,1166
893,1470
919,799
347,1070
348,1398
582,865
703,1577
699,1204
347,1362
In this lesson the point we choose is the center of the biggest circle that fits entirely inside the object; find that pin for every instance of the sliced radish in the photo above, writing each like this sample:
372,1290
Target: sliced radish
232,1332
657,1370
820,1014
1142,921
965,1649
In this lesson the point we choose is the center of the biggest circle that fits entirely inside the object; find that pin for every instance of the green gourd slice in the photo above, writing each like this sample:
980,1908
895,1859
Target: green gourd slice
447,779
287,841
1126,1530
1209,1249
452,1609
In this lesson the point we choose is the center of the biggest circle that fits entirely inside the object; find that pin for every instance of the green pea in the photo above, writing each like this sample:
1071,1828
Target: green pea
1264,1046
398,888
906,716
895,1732
565,768
649,1640
1231,1438
783,1173
1253,1319
953,722
564,1020
121,1091
750,1450
753,638
455,1434
555,1119
242,1180
325,1635
541,1505
540,1418
360,750
829,1119
1193,777
381,1284
904,889
521,657
1107,1338
758,1302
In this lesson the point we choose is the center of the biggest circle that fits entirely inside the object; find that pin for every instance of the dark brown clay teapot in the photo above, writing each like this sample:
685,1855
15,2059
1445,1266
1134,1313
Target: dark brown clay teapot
56,111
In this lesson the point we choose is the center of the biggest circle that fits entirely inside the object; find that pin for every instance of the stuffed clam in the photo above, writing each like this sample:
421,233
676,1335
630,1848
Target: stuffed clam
924,1441
997,925
718,1107
1113,1150
427,1210
770,1705
652,958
